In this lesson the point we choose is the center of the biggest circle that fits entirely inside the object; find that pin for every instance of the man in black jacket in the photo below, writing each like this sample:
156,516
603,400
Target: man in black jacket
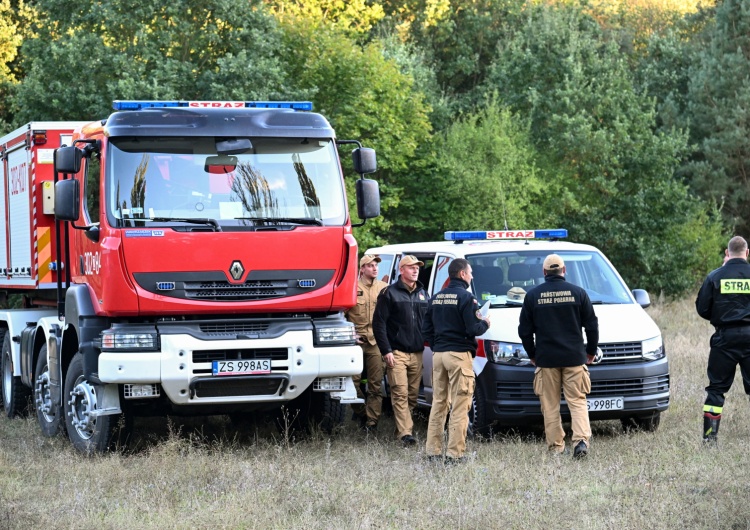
452,322
724,299
397,325
554,313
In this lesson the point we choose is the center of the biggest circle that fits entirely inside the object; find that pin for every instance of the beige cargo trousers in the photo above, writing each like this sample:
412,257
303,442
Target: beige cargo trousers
575,384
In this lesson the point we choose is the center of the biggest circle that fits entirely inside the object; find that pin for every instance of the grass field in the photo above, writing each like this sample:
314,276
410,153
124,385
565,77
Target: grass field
204,474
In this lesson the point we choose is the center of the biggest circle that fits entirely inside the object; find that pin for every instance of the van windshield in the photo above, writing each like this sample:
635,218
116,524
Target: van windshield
292,181
504,277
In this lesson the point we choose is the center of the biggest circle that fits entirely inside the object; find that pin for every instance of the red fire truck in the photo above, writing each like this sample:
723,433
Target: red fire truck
179,258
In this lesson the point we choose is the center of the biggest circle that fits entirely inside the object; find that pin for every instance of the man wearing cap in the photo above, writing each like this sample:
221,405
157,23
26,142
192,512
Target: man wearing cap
397,324
724,300
452,322
552,316
360,315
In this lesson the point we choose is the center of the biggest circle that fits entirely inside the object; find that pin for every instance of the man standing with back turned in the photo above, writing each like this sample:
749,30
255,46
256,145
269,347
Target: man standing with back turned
724,299
554,313
450,327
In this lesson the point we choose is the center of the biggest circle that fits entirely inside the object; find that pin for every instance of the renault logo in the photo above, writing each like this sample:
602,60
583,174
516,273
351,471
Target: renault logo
236,270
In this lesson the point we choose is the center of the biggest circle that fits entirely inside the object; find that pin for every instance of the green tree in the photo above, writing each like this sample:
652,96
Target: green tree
585,114
483,174
719,113
366,97
14,23
86,54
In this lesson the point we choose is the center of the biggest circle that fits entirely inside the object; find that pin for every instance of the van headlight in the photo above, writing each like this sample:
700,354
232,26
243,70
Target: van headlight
652,349
505,352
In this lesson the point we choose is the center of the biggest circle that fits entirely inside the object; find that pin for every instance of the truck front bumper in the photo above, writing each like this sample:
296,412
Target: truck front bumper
183,368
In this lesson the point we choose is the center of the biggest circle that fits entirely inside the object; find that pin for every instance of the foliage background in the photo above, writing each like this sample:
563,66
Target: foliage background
624,121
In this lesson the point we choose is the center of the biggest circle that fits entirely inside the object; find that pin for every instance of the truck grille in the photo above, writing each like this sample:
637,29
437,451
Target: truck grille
621,353
237,386
207,356
234,328
225,291
607,388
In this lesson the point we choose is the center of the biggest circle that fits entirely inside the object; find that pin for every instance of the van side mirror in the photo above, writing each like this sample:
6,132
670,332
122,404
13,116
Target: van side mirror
68,159
68,199
368,198
364,161
642,298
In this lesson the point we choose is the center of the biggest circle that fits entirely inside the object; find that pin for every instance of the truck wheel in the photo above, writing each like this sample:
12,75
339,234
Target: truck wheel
15,393
479,427
88,433
648,423
48,415
327,413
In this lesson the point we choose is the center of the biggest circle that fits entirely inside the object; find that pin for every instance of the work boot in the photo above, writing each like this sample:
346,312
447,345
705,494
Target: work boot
711,428
408,440
580,450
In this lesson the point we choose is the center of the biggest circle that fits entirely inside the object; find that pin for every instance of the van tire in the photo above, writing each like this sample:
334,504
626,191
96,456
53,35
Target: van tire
479,426
648,423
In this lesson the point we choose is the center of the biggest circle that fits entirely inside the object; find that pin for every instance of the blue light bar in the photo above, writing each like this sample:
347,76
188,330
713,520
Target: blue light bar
476,235
146,104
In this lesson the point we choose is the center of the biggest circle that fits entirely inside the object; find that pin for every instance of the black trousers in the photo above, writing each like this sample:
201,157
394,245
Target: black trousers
729,347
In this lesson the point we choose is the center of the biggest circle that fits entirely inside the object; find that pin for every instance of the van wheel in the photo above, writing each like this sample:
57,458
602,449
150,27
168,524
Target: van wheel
479,426
15,393
647,423
48,415
89,433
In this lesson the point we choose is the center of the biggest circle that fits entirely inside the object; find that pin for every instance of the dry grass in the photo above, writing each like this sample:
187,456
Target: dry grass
203,474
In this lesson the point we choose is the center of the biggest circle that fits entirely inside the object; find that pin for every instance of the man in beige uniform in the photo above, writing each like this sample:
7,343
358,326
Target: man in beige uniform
360,315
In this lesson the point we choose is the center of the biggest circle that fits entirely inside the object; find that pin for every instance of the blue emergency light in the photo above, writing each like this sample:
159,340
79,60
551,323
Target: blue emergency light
491,235
145,104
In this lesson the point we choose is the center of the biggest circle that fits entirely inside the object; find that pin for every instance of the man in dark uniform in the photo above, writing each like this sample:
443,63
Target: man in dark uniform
724,299
553,313
450,327
397,325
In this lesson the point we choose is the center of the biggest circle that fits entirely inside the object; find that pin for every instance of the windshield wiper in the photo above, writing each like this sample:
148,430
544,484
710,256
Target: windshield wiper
198,221
296,220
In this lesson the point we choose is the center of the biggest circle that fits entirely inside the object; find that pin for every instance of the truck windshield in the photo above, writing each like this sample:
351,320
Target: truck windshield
497,273
277,181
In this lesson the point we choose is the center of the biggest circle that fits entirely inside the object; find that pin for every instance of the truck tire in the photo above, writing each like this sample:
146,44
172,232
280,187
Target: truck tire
327,413
88,434
48,415
648,423
479,426
15,393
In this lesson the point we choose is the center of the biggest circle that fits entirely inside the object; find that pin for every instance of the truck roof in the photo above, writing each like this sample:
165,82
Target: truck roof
245,122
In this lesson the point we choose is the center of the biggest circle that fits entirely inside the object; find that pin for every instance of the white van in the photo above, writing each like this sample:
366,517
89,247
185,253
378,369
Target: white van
630,383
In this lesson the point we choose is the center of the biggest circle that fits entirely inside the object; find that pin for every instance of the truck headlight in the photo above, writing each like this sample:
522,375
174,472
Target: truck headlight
505,352
129,339
652,349
335,334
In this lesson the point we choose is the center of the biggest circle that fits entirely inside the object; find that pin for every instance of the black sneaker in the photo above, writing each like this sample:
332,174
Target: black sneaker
408,439
452,461
581,450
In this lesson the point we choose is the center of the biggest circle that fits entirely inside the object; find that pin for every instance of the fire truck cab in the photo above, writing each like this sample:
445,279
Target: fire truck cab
182,257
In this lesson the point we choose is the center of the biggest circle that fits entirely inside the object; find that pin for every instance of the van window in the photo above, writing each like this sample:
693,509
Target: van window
495,274
385,268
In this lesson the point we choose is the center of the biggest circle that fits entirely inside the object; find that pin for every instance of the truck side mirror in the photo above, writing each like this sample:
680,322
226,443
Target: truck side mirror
68,199
368,198
68,160
364,161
